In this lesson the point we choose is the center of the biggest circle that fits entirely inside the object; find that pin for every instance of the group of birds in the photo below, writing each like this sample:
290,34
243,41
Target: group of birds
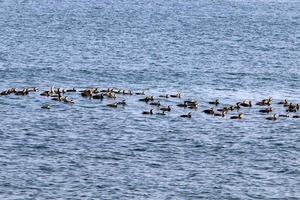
290,108
59,94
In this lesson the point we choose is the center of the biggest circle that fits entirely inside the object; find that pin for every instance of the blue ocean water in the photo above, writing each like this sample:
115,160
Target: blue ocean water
227,49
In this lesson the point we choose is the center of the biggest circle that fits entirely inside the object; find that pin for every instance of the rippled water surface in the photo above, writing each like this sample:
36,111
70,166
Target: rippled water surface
227,49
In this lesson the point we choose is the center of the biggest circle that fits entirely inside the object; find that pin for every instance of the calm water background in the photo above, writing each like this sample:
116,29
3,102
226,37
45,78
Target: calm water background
233,50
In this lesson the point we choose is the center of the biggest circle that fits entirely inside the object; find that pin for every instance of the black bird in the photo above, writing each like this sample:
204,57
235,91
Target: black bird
189,115
267,110
209,111
148,112
166,109
216,102
240,116
273,118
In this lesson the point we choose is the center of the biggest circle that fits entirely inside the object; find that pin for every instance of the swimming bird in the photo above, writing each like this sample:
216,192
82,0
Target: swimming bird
161,113
222,114
148,112
46,107
111,95
274,117
262,103
8,91
11,90
296,116
191,104
51,90
209,111
58,90
166,108
293,108
267,110
23,92
112,105
193,107
164,96
240,116
232,108
284,102
189,115
147,99
46,93
123,102
71,90
296,106
106,90
182,105
4,93
216,102
94,90
246,104
270,99
265,102
191,101
226,108
87,93
57,97
33,89
237,107
283,115
155,103
140,93
90,90
127,93
98,96
118,91
66,100
178,95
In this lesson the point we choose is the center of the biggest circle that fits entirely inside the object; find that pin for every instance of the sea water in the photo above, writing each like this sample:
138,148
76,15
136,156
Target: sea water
233,50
